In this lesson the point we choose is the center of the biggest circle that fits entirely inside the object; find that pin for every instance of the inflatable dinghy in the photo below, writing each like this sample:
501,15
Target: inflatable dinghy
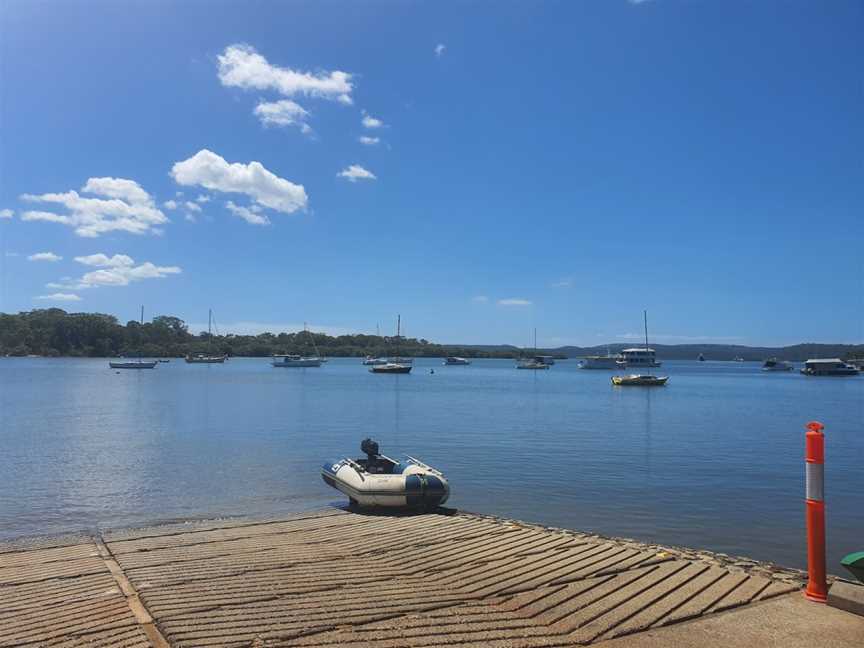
381,481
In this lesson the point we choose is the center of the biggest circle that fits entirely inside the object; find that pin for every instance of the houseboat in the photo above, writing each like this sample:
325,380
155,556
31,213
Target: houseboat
638,357
828,367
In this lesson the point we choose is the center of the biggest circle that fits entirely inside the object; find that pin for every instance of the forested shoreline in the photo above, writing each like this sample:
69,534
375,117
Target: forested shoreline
53,332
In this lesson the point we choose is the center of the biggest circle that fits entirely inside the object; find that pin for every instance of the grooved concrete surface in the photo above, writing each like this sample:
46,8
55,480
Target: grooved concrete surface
334,578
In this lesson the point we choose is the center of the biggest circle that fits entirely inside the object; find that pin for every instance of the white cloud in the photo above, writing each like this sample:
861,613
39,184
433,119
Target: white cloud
356,172
190,218
6,213
44,256
566,282
209,170
202,199
637,2
191,206
480,299
369,121
60,297
104,261
439,49
283,113
117,270
514,301
123,206
369,141
240,66
251,214
170,204
49,217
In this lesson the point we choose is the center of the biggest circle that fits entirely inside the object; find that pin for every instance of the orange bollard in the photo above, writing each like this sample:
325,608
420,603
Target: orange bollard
817,586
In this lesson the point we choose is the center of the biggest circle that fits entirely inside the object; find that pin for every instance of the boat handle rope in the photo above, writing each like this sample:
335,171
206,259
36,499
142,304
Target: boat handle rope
357,467
417,462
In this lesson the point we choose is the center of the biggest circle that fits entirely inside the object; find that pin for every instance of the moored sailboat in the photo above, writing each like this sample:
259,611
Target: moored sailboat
296,360
207,358
535,362
642,380
394,365
133,364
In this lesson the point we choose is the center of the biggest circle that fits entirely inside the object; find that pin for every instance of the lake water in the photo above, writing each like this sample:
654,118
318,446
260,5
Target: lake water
713,460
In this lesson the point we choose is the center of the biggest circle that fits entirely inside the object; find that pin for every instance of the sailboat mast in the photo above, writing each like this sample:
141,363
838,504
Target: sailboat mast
398,332
645,317
142,333
209,327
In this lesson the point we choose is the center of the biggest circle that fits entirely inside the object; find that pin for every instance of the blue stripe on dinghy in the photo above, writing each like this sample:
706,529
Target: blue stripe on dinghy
413,490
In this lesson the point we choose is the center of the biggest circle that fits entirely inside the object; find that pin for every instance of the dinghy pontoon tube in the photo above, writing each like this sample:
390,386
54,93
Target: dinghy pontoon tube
378,480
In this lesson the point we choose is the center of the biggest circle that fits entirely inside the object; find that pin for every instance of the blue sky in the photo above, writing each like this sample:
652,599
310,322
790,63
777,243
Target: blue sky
558,164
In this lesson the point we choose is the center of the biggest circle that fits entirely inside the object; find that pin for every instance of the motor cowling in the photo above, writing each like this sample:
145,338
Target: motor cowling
369,448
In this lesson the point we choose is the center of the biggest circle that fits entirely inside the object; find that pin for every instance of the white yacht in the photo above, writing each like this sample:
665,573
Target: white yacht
400,360
531,363
456,361
608,361
372,361
773,364
638,357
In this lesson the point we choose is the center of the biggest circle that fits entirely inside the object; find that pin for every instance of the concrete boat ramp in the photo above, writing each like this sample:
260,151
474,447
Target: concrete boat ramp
336,578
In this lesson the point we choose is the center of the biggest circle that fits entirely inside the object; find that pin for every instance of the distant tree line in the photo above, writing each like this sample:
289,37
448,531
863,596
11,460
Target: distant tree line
54,332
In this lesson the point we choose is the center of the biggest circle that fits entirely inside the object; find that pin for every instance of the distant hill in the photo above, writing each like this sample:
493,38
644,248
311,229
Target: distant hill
795,353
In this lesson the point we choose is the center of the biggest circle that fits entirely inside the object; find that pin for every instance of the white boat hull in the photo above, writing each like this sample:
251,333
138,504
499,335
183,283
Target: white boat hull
414,486
599,363
301,362
133,365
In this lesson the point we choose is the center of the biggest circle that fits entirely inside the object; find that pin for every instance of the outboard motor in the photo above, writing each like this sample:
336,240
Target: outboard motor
370,449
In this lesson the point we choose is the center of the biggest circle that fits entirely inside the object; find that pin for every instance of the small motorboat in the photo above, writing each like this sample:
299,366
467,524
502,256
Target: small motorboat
293,360
456,361
639,380
773,364
202,358
533,363
391,368
371,361
132,364
378,480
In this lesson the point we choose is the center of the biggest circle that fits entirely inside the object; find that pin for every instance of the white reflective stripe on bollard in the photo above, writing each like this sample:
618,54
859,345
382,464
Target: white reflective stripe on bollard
815,482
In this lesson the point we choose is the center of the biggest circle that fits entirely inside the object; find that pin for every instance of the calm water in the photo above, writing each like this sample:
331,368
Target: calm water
713,460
